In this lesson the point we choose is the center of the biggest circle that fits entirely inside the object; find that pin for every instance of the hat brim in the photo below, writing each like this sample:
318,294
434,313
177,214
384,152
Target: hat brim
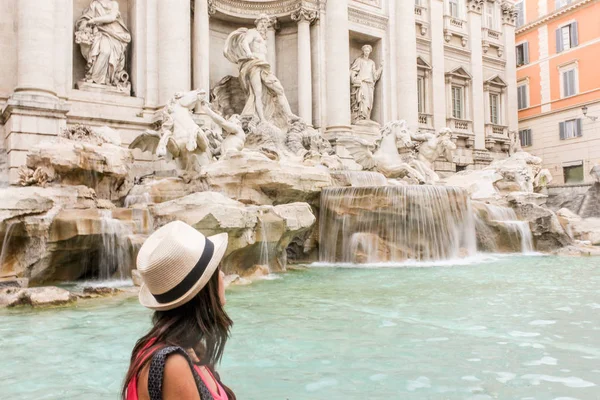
147,299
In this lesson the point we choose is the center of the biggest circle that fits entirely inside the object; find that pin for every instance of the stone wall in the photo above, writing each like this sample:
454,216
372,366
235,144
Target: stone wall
8,48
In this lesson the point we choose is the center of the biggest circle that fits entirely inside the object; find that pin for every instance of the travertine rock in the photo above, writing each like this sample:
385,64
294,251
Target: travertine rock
548,233
36,297
258,235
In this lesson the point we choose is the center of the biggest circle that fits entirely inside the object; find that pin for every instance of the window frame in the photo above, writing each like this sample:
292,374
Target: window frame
572,125
527,134
564,69
524,46
458,9
521,16
461,101
573,29
491,6
526,85
495,118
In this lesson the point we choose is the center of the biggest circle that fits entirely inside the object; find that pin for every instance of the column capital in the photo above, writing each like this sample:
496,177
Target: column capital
509,14
475,6
305,14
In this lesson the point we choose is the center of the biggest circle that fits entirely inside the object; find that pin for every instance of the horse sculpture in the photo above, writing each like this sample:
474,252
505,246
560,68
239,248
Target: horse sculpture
384,156
178,137
432,148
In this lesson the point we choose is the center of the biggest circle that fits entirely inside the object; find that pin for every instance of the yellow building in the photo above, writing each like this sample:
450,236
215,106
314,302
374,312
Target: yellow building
558,84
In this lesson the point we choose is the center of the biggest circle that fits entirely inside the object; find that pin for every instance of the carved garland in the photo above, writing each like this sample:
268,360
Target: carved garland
305,14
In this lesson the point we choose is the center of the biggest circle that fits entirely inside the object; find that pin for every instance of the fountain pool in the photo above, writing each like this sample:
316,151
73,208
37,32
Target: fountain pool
509,327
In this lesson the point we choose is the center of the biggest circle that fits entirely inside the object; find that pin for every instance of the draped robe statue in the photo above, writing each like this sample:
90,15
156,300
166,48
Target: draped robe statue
103,38
363,76
266,98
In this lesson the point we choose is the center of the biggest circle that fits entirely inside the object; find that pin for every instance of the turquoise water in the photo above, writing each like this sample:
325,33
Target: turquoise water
509,328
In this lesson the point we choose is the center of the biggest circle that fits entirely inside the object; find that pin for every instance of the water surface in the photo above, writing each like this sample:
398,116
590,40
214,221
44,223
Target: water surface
510,328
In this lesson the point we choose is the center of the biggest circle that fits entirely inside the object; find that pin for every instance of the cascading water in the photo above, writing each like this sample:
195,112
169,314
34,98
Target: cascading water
264,244
508,218
115,255
361,178
395,223
5,248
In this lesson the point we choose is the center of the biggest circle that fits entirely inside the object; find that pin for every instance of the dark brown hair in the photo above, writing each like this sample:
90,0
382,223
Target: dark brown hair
200,324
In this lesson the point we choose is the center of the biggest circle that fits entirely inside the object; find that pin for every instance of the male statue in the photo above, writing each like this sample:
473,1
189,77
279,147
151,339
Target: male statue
363,76
248,49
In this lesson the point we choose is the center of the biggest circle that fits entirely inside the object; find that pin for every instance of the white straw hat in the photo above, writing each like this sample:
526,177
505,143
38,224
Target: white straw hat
175,263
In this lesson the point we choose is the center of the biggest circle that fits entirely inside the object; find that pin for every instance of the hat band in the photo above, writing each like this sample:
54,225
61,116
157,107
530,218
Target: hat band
192,277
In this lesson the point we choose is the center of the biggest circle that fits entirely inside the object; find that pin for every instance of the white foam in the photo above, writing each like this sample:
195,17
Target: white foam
538,322
572,381
523,334
323,383
421,382
473,260
504,377
470,378
543,361
378,377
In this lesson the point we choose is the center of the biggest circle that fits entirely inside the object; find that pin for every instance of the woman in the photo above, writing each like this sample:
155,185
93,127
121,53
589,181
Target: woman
182,282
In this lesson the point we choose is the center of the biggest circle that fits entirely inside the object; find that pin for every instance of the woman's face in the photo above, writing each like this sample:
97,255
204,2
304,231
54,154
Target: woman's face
222,288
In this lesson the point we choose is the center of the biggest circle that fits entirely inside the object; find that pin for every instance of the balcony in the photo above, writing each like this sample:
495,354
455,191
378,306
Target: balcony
421,14
492,38
496,137
462,129
455,27
425,120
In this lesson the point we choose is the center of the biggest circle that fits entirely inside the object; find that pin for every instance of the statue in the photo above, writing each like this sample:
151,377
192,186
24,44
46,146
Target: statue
234,141
431,149
384,156
595,173
265,95
515,143
103,38
179,136
363,76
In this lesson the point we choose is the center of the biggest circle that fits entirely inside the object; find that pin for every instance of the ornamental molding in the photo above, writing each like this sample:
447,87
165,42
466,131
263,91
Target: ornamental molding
374,3
362,17
305,14
252,9
509,13
475,6
549,17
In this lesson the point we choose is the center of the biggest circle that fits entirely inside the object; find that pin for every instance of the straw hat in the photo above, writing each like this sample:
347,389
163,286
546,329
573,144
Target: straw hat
175,263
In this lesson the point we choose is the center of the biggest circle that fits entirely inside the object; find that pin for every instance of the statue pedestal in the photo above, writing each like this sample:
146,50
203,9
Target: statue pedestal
367,130
95,87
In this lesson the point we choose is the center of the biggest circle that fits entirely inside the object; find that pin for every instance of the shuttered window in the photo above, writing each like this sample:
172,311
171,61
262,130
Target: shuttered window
457,102
570,129
525,137
520,8
522,52
494,108
569,82
522,97
453,6
567,37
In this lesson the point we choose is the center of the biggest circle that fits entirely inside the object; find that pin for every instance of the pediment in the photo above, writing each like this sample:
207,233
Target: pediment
459,72
421,63
496,81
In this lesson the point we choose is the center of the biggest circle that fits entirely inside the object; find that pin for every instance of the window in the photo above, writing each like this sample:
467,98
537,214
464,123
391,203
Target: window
525,137
457,102
569,84
522,54
490,15
566,37
520,8
453,8
570,129
421,94
522,96
562,3
494,108
573,173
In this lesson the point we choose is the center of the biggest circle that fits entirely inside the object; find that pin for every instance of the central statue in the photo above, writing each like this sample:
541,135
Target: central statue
266,98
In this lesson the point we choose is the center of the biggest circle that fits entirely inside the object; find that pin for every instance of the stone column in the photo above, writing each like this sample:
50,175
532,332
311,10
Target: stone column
35,44
272,44
174,48
338,71
438,68
304,17
406,63
477,104
508,23
201,47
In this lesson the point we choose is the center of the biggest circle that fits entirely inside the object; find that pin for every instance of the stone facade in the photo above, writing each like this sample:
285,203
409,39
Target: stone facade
445,65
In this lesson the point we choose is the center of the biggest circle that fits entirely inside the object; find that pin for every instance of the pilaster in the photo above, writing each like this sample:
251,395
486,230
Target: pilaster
438,68
406,58
509,16
474,8
201,47
304,17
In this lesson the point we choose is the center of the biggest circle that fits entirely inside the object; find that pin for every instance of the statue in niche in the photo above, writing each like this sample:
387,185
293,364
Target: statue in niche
265,95
103,39
179,137
364,74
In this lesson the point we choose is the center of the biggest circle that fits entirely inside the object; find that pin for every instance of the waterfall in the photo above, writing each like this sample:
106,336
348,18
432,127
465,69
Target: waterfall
115,255
5,249
395,223
264,244
360,178
507,217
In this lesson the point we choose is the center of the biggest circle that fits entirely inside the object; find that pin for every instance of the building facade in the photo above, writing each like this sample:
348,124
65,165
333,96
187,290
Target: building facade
445,64
557,54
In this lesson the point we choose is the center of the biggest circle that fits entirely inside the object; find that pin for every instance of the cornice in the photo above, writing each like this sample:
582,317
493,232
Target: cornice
362,17
252,9
553,15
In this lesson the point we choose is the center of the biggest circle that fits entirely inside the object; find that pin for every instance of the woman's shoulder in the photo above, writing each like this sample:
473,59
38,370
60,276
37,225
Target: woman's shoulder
179,382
